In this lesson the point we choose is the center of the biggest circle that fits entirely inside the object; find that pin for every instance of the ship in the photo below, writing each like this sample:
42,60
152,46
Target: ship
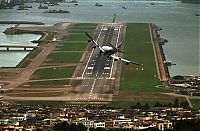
28,6
124,7
72,1
42,6
57,11
97,4
22,7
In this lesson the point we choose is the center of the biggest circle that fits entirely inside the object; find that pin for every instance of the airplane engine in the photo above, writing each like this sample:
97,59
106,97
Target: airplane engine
89,40
116,59
127,63
94,47
101,52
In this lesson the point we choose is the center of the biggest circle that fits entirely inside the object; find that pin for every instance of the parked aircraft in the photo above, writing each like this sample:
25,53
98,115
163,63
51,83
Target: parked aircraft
110,50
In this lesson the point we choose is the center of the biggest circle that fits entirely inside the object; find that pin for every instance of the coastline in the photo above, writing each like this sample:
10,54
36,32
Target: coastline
15,30
163,71
27,59
21,22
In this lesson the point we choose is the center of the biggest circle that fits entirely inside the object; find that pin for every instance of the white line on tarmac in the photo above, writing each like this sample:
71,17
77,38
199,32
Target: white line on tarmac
92,89
92,52
114,54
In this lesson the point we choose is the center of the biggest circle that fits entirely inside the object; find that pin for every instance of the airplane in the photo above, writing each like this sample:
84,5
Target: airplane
110,50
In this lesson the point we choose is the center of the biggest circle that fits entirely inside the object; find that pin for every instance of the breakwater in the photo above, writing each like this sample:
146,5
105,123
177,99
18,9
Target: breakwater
21,22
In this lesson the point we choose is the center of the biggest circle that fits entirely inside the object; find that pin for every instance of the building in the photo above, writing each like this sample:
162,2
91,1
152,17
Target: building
99,125
164,124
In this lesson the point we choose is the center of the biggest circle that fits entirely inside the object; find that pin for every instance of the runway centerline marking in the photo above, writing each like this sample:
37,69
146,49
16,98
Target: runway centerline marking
91,91
92,51
101,59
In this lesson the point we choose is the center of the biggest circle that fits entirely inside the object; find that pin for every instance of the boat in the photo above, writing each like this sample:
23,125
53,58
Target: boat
57,11
55,3
28,6
152,3
97,4
47,2
124,7
197,14
50,4
72,1
42,6
22,7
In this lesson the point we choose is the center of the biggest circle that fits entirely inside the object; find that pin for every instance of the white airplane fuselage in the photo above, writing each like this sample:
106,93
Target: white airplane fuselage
108,50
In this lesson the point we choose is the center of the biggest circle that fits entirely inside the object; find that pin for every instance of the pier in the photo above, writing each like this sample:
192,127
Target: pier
24,47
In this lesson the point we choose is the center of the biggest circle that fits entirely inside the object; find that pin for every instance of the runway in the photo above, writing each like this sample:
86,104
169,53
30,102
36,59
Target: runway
97,77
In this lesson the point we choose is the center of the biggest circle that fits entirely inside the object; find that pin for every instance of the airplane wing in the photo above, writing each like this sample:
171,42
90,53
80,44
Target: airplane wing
116,49
124,60
120,44
94,42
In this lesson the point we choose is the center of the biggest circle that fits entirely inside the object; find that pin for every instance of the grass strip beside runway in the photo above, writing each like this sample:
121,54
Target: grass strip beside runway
140,85
76,37
54,73
73,45
65,57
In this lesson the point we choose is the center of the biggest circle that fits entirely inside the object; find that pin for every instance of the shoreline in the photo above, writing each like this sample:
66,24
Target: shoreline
163,71
21,22
15,30
27,58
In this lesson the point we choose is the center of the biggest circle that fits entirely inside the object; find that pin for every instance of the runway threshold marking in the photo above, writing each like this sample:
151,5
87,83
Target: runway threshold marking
92,52
114,54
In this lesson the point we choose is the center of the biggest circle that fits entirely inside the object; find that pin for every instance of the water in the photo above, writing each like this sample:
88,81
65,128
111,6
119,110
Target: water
12,58
178,20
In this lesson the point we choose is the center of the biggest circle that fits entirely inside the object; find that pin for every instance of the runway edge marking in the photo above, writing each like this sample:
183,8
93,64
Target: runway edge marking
91,53
114,54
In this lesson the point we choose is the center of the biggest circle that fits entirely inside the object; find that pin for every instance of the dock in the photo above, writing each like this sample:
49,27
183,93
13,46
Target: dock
24,47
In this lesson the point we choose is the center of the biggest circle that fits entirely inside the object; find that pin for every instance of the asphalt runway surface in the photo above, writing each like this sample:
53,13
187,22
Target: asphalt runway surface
97,76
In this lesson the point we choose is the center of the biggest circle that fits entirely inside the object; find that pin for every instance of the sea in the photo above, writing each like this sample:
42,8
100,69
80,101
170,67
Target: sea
178,20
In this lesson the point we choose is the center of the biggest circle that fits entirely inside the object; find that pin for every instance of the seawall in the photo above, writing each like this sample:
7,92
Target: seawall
160,56
21,22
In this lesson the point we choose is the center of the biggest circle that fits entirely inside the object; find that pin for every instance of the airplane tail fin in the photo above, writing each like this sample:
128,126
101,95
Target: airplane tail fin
113,21
113,47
